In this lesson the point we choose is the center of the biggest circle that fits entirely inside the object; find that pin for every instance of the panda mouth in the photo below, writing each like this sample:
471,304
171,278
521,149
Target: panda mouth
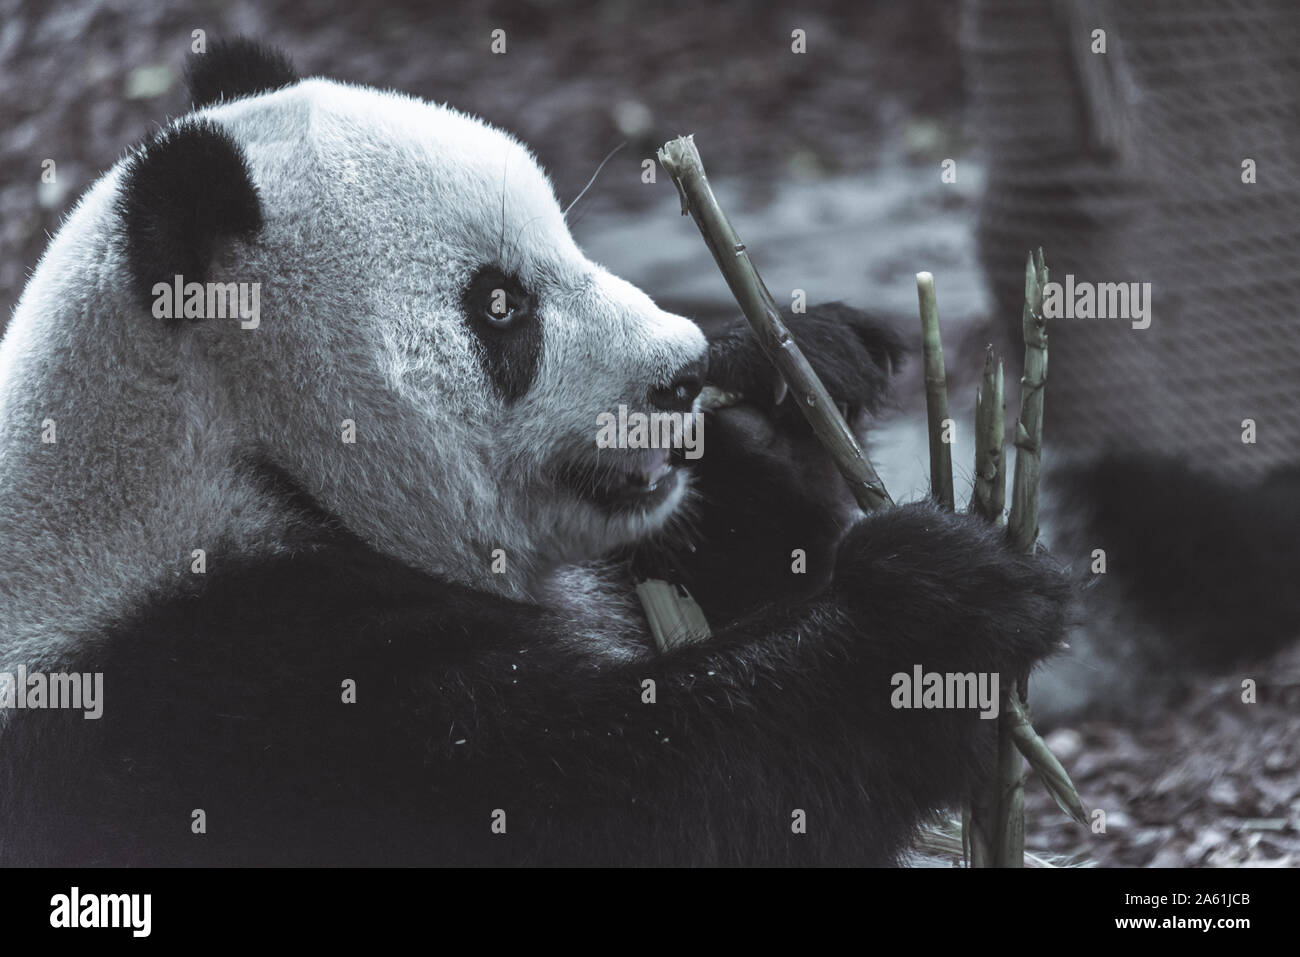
637,479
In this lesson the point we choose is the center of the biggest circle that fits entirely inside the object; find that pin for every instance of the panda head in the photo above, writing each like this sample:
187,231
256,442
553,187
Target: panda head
432,351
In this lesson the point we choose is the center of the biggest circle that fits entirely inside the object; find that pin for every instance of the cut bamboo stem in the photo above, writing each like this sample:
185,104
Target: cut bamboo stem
936,393
681,160
1022,527
988,497
1023,522
980,821
675,617
1009,850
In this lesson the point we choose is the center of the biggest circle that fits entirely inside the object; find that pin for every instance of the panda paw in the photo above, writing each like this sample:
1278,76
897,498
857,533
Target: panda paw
947,591
853,353
767,496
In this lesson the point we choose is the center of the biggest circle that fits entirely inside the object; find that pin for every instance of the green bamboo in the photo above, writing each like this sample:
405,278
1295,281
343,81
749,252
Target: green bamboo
681,160
1042,760
988,497
977,834
936,392
1009,846
1022,527
979,822
1023,522
965,835
983,820
675,617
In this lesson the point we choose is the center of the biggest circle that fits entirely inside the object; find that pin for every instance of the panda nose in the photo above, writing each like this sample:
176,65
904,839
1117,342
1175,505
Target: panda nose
679,395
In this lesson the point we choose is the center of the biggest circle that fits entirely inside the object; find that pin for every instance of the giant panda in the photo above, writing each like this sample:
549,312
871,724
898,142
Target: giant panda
360,585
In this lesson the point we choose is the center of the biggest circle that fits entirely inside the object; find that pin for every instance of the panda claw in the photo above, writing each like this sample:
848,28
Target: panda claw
780,392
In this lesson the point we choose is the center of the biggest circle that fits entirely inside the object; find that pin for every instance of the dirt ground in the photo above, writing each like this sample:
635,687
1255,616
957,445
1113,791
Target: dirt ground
1210,782
852,128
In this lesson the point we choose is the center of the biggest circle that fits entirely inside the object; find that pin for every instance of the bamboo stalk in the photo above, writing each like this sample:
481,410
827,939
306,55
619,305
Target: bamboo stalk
978,835
1022,527
1009,846
681,160
1042,760
979,822
988,497
999,818
936,392
982,839
965,835
675,617
673,614
1023,522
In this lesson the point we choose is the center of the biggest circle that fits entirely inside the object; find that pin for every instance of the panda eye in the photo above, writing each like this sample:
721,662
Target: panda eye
502,315
500,308
497,300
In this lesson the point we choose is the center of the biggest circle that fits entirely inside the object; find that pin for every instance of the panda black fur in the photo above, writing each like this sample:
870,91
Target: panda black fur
223,690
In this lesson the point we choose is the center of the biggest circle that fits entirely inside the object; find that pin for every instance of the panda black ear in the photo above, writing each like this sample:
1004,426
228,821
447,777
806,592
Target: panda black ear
234,68
182,193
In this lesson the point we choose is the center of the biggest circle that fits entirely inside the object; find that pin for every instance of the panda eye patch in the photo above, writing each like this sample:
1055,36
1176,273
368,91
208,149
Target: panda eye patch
501,313
497,300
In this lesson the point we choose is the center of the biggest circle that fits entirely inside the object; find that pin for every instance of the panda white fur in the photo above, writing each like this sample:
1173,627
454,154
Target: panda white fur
378,227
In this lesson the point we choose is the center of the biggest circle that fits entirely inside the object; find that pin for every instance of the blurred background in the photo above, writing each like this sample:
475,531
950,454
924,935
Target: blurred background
1125,164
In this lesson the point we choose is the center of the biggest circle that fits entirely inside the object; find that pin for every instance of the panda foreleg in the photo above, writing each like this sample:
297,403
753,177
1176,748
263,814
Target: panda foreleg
482,730
778,739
